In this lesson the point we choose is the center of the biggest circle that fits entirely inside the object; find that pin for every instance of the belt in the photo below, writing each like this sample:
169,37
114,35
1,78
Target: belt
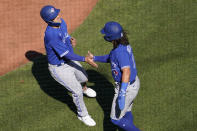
59,64
130,83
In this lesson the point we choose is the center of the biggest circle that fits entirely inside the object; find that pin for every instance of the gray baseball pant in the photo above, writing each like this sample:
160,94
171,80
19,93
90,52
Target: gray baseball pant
131,93
71,75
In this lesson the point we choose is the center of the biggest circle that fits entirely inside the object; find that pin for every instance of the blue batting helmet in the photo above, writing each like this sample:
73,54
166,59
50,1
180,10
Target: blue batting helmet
112,30
49,13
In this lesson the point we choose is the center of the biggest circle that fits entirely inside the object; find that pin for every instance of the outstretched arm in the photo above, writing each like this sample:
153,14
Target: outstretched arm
73,56
103,59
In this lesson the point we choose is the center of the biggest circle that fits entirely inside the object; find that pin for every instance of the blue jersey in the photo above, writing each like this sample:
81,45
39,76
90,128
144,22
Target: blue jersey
122,57
57,43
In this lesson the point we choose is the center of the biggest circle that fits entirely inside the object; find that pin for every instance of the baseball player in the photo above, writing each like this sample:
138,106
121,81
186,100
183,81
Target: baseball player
62,61
124,73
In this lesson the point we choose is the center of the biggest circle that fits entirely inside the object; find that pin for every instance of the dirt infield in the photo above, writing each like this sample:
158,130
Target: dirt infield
22,28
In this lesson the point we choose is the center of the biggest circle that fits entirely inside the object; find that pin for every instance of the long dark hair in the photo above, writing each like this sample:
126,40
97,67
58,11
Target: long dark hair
123,40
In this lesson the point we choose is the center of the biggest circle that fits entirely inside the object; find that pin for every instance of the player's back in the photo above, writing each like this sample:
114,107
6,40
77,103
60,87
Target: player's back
125,53
51,38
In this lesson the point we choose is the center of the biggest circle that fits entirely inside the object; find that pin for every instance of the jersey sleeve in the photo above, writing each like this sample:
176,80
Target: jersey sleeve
53,40
56,43
123,59
60,48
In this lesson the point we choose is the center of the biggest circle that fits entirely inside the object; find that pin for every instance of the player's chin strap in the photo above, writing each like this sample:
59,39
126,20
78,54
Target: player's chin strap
51,23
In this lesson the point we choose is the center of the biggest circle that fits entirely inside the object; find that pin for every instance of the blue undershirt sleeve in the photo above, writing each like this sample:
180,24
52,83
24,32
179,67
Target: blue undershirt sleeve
103,59
73,56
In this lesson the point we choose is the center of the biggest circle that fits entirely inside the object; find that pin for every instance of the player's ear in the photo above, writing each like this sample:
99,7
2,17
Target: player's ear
113,41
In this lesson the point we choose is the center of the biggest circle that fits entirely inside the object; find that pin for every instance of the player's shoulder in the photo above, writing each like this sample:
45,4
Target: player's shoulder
50,30
63,22
121,48
125,47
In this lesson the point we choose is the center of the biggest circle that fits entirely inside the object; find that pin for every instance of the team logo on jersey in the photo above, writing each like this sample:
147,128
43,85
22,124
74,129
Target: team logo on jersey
52,10
66,34
115,72
63,36
113,65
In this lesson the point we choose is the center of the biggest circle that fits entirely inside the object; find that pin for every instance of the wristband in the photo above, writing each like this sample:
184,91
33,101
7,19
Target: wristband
94,58
124,86
83,58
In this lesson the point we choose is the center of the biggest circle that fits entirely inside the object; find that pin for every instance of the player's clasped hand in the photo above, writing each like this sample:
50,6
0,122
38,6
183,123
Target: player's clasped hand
90,61
121,99
73,41
90,55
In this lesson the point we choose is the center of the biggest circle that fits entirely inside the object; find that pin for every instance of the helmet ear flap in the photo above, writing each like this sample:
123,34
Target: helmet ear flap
107,38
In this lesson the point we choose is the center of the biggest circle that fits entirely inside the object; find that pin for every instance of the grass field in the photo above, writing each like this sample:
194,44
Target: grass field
163,36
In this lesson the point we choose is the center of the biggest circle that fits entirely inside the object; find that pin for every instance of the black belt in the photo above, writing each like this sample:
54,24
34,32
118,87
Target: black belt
132,82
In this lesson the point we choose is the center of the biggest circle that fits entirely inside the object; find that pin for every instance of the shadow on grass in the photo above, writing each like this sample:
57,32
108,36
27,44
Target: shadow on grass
105,94
46,82
104,89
